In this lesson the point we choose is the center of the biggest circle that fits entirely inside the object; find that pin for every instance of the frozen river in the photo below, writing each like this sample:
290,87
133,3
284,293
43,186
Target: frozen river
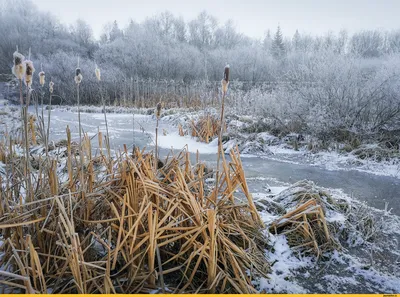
262,173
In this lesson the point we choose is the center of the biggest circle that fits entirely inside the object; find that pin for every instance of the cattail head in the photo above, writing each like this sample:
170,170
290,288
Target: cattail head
225,80
41,78
19,66
226,73
158,110
78,76
29,70
97,71
51,84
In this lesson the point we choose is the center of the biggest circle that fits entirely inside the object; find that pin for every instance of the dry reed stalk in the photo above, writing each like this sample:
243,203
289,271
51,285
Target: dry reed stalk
158,114
69,161
224,83
26,151
180,130
32,130
212,263
41,126
20,71
53,178
152,244
29,70
78,80
51,89
97,72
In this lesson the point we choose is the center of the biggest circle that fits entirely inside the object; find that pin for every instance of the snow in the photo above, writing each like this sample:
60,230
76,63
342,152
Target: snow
332,216
268,138
276,190
176,142
284,263
229,145
113,116
387,283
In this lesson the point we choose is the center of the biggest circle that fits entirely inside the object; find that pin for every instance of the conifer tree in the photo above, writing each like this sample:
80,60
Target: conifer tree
278,48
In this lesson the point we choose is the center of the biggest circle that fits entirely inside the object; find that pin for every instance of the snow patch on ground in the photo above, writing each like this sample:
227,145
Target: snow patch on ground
176,142
284,262
120,116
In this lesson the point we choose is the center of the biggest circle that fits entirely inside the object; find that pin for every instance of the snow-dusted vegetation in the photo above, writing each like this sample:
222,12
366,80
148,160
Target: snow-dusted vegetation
128,166
340,87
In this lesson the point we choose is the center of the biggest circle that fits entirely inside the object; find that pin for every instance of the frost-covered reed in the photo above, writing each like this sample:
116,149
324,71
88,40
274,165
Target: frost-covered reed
224,89
78,80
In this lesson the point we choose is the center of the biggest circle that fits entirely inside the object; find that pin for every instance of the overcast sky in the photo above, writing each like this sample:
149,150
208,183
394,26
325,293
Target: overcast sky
252,17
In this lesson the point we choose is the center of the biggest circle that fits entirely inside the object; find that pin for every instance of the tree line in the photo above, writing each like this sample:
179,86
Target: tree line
168,47
346,80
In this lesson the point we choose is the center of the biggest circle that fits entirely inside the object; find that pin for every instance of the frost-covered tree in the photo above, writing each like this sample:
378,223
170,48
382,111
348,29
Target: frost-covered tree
115,32
278,47
202,30
367,43
296,40
179,30
227,36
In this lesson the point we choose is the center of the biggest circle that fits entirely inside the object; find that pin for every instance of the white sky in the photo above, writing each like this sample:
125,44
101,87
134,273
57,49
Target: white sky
252,17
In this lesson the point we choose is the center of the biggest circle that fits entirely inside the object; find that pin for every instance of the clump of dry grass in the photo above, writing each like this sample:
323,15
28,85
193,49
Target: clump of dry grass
305,226
108,241
205,128
209,126
95,224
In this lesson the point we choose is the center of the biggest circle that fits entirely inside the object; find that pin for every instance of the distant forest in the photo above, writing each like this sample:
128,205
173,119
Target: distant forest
167,47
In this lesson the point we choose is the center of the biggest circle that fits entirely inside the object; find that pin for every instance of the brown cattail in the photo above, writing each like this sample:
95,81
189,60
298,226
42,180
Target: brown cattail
19,66
78,76
51,84
29,70
158,110
41,78
97,71
225,81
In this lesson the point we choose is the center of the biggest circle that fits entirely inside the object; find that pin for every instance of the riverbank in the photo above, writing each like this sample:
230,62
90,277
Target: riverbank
374,158
250,136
